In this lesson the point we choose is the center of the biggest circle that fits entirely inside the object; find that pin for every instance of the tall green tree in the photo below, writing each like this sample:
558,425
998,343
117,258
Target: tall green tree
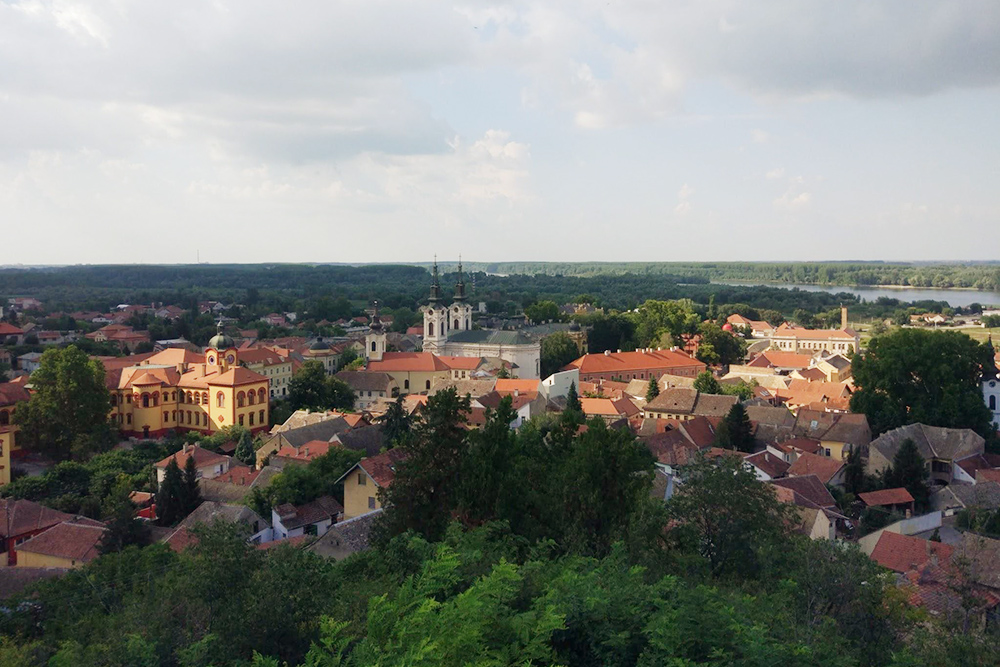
245,452
735,431
67,415
718,346
653,390
170,495
312,389
191,496
124,528
542,311
395,422
909,470
919,376
558,350
573,399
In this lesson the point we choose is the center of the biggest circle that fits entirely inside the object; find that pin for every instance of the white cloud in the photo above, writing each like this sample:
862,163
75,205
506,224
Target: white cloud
791,201
775,174
683,199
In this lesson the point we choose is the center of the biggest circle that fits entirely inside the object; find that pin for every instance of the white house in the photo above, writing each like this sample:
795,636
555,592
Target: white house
313,518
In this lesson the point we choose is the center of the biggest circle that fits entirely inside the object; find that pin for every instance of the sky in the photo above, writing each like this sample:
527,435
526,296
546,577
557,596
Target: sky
393,130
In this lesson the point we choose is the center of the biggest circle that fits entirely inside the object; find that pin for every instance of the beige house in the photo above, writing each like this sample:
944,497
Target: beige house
276,368
790,338
207,464
70,544
413,372
682,403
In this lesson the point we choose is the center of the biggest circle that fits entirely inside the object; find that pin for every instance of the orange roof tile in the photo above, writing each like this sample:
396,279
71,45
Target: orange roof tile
627,362
812,464
413,362
202,457
236,376
902,553
510,385
886,497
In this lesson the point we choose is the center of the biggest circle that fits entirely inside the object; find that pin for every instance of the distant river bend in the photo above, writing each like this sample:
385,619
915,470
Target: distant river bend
954,297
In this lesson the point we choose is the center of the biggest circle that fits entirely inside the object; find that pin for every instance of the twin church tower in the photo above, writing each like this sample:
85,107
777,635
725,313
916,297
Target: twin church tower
440,320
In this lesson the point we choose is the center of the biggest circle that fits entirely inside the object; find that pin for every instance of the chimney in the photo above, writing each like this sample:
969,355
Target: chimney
607,353
186,446
843,317
517,393
619,350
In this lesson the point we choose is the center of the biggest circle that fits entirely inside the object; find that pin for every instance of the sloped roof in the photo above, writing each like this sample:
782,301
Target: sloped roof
236,376
11,393
13,580
714,405
366,439
902,553
510,385
324,430
26,516
932,442
788,331
382,467
627,362
346,537
366,380
777,359
316,511
823,467
809,487
202,457
676,400
413,362
492,337
209,512
886,497
74,539
770,464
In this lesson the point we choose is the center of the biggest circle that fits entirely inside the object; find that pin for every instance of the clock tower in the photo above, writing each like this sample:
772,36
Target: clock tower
221,353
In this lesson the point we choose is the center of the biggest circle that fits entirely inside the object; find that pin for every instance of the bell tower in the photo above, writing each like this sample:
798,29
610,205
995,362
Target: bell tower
221,353
375,340
435,317
460,317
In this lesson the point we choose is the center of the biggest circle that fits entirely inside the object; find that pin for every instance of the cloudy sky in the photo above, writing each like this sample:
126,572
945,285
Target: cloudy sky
389,130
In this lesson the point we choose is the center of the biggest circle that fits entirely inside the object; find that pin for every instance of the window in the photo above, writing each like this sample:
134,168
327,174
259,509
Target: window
430,328
189,416
129,419
262,420
251,397
166,416
204,397
362,479
173,415
993,402
456,324
373,346
428,384
241,420
145,400
251,419
406,383
371,503
241,399
261,396
220,400
156,399
166,396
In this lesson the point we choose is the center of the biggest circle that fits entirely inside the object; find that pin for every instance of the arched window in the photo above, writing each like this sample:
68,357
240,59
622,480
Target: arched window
197,398
430,328
261,396
456,325
4,418
406,384
204,397
128,398
241,420
261,416
156,399
241,399
166,396
251,397
189,416
251,419
373,346
220,400
145,400
173,415
428,385
173,396
166,416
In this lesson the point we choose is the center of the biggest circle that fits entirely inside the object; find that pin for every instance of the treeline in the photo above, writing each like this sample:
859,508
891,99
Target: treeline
984,276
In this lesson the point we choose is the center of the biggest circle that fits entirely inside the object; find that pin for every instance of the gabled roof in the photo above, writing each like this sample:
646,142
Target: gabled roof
74,539
510,385
777,359
11,393
677,400
823,467
322,509
8,329
236,376
26,516
902,553
412,362
381,468
323,430
306,451
773,466
714,405
627,362
886,497
346,537
788,331
209,512
202,457
809,487
932,442
367,439
366,380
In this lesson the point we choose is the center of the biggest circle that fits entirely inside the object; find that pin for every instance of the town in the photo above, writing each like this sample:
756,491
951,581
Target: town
337,438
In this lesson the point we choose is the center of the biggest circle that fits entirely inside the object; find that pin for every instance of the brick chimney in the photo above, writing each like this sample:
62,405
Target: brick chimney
843,316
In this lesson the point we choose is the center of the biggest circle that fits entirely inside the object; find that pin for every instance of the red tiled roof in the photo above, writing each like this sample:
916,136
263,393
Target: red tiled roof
886,497
181,539
7,329
627,362
307,451
776,359
76,539
770,464
202,458
902,553
788,331
236,376
27,516
382,468
812,464
461,363
809,445
296,541
989,475
510,385
239,475
414,362
809,487
11,394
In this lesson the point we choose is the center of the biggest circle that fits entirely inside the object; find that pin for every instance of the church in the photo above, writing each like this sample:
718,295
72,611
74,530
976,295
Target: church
448,332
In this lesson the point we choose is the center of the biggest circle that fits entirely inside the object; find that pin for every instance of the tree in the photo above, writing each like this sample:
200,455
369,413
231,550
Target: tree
854,471
170,496
395,422
312,389
658,319
191,496
543,311
727,515
920,376
68,411
718,346
653,389
707,384
909,470
503,373
573,399
123,527
245,450
735,430
558,350
340,396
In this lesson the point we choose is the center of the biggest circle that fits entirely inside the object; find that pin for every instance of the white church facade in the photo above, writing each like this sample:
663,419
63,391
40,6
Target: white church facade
448,332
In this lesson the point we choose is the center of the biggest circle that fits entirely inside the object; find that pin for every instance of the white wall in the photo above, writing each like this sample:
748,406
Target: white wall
558,384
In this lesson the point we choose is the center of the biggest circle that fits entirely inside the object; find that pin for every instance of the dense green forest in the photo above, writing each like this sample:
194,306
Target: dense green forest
544,546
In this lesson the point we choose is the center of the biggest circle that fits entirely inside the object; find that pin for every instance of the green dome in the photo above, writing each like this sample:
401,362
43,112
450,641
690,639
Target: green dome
221,341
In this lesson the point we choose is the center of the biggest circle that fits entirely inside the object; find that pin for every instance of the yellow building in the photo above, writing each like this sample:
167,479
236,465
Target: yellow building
181,390
7,435
363,482
70,544
272,365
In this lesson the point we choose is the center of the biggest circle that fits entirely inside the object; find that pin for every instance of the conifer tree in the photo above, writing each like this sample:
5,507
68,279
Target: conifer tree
169,498
573,399
735,430
244,449
191,496
653,390
908,470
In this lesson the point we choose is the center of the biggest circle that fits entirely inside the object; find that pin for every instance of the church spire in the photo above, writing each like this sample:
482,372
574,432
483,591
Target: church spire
376,323
460,285
435,284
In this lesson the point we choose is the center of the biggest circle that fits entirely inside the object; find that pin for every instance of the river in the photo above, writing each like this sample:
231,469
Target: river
954,297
